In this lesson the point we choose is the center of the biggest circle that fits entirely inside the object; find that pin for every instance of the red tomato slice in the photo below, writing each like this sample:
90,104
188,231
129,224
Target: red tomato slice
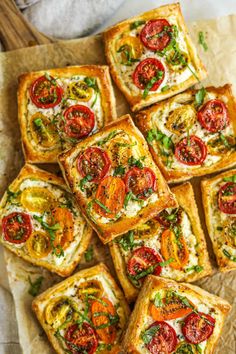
140,181
196,329
154,36
213,116
191,151
142,259
94,162
111,194
84,338
167,219
80,121
227,198
145,71
45,93
16,227
165,339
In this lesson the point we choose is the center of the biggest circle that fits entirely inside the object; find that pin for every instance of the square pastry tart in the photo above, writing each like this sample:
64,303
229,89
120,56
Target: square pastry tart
116,182
59,107
41,223
172,317
219,196
152,57
171,245
193,133
86,313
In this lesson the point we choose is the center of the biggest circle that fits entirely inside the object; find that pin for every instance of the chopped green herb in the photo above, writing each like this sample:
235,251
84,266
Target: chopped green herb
195,268
136,162
228,255
119,171
109,137
202,41
127,241
224,140
136,24
158,300
150,83
126,144
84,180
102,206
166,141
35,286
165,88
127,52
167,262
230,179
49,78
89,254
148,335
91,82
199,349
12,195
130,196
199,97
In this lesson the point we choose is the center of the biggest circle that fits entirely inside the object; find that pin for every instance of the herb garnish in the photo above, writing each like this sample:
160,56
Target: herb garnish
109,137
88,255
130,196
136,162
84,180
35,286
199,97
228,255
102,206
127,52
202,41
148,335
119,171
158,300
136,24
230,179
159,75
127,241
12,195
92,82
49,78
195,268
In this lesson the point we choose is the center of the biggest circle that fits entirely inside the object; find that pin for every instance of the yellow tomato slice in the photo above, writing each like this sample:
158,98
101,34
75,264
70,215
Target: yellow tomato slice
129,44
181,119
147,230
79,90
37,199
59,310
65,235
186,348
120,150
216,146
38,245
90,287
177,60
44,132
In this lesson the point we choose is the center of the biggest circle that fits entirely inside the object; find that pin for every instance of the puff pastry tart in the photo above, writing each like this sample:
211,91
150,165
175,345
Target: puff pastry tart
86,313
193,133
172,245
41,223
219,201
172,317
59,107
116,182
152,57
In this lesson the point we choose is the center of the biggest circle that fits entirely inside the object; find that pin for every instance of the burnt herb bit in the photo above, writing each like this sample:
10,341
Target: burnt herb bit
150,83
158,300
219,228
12,195
89,254
136,24
202,41
228,255
195,268
83,181
230,179
148,335
127,241
132,161
199,97
119,171
35,286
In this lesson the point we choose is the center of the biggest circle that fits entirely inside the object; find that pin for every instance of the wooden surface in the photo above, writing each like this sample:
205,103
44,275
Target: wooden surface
15,31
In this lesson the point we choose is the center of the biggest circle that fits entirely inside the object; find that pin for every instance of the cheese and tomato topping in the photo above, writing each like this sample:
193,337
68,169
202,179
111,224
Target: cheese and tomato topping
61,111
187,137
41,220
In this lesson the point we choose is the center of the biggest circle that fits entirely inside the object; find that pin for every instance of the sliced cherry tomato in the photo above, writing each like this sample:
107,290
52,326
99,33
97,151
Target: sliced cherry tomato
186,348
142,259
164,340
191,151
141,182
43,131
79,90
213,116
90,287
229,233
16,227
38,244
130,48
167,219
80,121
120,150
65,235
59,310
217,146
102,313
174,247
155,35
45,93
110,194
94,162
170,311
81,339
227,198
146,70
198,327
149,229
37,199
181,119
177,60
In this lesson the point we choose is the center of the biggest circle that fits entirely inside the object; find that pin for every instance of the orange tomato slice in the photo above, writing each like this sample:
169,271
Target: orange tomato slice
169,311
110,195
65,235
174,247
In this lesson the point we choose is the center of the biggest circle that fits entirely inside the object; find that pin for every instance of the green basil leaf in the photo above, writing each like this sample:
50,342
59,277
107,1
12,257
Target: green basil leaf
83,181
199,97
158,300
202,41
35,286
136,24
88,255
148,335
119,171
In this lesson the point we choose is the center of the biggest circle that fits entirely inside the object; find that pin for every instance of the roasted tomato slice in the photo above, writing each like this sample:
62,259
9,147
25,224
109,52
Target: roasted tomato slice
181,119
141,182
167,219
198,327
227,198
186,348
110,196
155,35
170,310
149,229
94,162
147,70
90,287
191,151
65,235
81,339
213,116
60,310
37,199
38,244
164,341
120,150
79,121
80,91
45,93
43,131
129,47
142,259
16,227
103,317
174,247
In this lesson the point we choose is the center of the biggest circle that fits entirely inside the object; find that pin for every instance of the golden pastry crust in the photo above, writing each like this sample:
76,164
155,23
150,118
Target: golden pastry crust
39,154
153,284
186,200
134,95
40,302
217,221
146,121
83,235
163,198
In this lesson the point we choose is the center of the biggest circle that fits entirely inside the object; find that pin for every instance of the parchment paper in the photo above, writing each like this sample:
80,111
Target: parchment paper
221,65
